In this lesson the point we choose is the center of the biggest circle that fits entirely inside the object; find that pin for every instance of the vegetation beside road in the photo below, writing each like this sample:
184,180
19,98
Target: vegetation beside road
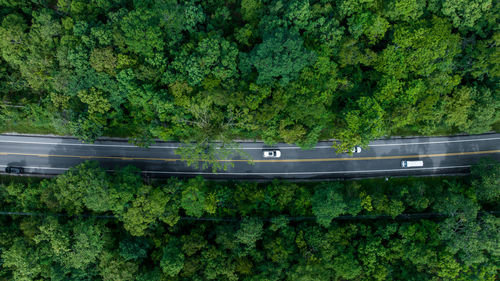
288,70
90,225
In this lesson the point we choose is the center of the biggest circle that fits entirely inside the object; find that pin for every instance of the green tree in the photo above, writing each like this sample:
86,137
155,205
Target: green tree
172,260
194,242
404,10
213,56
142,32
145,209
74,245
279,58
84,186
349,7
86,128
461,244
133,249
250,231
23,260
420,49
113,267
193,16
486,180
250,10
457,108
125,183
485,110
471,109
361,125
298,13
95,100
481,58
466,15
328,203
193,197
13,39
103,60
369,24
347,266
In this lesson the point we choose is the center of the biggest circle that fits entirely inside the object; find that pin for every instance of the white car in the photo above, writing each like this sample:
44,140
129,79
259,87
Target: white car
356,149
411,164
272,153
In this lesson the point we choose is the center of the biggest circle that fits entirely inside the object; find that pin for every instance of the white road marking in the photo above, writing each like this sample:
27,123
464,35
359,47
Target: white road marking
76,144
309,173
434,142
282,173
244,148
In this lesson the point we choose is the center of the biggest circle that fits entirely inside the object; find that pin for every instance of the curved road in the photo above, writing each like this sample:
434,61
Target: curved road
441,155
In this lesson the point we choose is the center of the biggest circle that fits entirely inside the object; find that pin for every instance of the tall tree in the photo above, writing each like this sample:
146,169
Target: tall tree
279,58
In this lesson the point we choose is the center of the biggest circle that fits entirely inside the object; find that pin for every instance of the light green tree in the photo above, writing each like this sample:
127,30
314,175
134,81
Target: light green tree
328,203
145,209
457,108
465,15
22,260
250,231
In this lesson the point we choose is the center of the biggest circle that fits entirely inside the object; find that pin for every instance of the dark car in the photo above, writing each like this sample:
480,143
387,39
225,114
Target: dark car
14,170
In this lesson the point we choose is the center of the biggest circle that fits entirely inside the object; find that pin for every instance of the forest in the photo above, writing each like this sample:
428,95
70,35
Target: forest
292,71
90,225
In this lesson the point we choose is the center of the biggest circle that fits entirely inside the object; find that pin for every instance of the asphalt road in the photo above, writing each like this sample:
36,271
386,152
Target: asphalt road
441,155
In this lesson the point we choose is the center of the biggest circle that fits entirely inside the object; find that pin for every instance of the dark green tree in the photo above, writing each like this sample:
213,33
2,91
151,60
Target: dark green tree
279,58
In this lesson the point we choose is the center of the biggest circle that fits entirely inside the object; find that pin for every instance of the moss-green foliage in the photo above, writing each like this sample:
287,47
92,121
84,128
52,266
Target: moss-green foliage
287,70
400,229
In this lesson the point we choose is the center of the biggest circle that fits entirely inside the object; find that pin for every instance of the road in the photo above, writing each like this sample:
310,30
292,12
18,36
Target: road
441,155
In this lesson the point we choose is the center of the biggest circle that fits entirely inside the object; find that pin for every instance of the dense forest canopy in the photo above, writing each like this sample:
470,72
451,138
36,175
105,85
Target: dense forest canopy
277,70
284,70
89,225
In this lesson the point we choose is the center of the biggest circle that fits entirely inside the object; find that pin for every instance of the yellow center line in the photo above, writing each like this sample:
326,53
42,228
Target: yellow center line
266,160
384,157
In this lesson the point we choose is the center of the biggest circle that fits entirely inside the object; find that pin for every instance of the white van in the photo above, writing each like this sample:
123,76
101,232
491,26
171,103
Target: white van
411,164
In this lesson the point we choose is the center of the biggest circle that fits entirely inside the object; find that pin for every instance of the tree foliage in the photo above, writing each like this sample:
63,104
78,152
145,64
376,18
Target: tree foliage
289,70
279,58
192,229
